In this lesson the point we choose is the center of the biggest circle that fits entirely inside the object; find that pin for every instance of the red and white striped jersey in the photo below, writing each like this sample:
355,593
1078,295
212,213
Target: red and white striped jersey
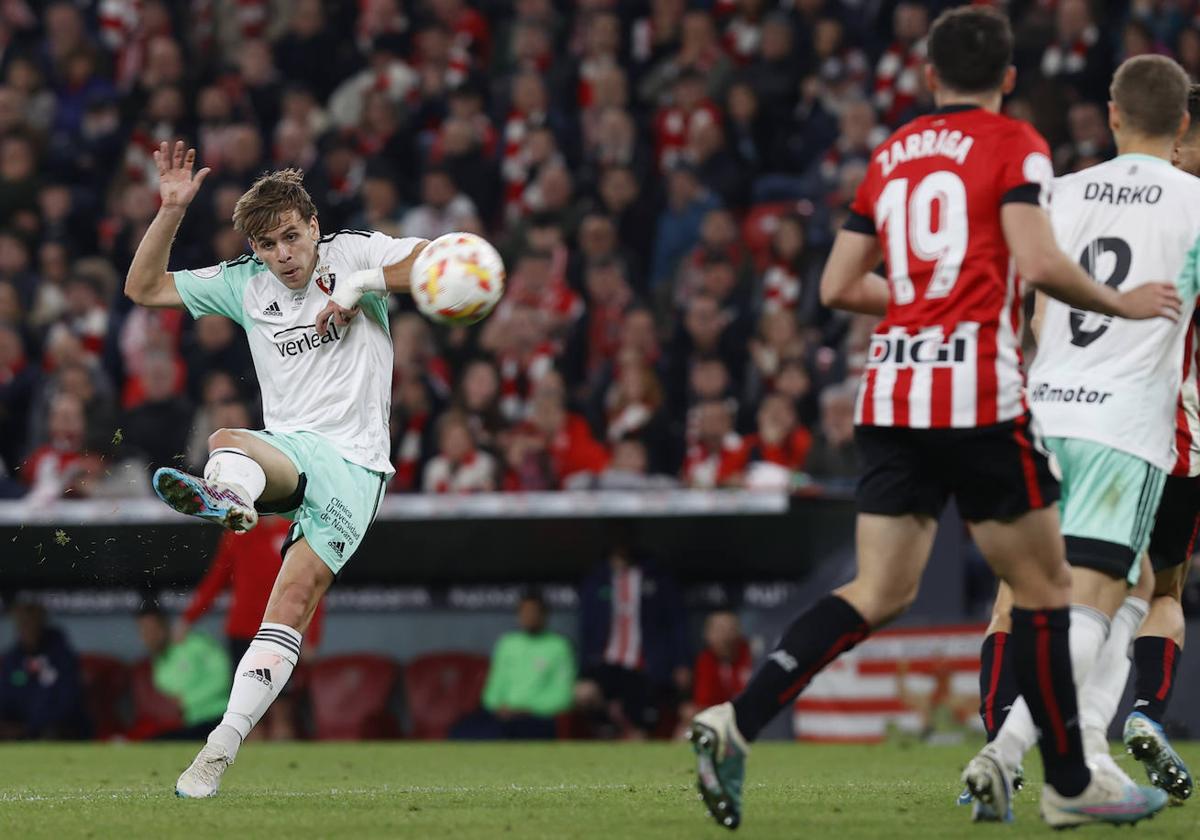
1187,411
947,354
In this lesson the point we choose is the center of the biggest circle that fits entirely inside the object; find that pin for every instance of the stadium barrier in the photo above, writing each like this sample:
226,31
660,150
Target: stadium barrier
444,540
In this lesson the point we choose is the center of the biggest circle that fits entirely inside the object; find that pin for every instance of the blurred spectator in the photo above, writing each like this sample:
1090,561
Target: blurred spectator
247,565
596,335
623,198
723,668
775,75
220,409
477,399
41,694
1078,56
459,466
717,457
61,468
634,404
443,210
193,670
833,456
560,439
1089,139
629,469
18,382
529,681
679,225
898,80
779,442
158,427
635,662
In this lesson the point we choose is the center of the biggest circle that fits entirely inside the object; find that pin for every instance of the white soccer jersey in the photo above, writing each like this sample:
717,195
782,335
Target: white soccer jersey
339,386
1129,221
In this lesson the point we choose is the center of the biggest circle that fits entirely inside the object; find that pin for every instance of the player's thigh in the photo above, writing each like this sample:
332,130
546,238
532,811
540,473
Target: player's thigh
1109,503
892,554
282,472
303,579
1027,553
900,496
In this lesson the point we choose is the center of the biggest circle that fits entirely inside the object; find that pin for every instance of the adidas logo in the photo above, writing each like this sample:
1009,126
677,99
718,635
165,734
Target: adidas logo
273,309
263,675
338,546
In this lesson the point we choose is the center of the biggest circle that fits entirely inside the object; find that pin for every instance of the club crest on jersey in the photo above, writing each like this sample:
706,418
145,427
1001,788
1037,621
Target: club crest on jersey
326,279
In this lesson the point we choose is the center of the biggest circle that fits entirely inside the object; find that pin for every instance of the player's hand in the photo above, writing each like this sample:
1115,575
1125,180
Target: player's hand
338,315
177,186
1153,300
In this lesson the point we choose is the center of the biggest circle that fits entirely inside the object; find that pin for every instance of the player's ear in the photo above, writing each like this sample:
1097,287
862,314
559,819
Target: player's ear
314,228
931,78
1114,117
1010,80
1184,125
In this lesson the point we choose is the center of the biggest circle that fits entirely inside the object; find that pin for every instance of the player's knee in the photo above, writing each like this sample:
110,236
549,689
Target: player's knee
223,438
1168,583
879,602
294,603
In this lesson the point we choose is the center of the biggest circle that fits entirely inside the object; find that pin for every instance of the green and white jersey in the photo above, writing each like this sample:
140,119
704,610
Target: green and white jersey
1129,221
339,386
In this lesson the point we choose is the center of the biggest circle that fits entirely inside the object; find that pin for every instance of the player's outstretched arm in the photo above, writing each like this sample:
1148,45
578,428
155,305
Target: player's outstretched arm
1042,263
343,302
148,282
848,281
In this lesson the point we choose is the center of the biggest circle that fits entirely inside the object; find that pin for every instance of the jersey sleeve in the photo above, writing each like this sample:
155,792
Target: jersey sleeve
1188,281
1026,173
218,289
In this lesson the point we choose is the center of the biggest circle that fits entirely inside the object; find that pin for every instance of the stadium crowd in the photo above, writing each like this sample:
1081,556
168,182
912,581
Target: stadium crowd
662,177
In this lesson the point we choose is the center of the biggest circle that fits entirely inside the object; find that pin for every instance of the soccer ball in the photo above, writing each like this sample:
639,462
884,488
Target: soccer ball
458,279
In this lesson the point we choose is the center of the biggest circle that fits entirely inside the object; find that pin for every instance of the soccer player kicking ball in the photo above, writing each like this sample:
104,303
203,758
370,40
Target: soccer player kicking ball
1104,392
949,201
326,384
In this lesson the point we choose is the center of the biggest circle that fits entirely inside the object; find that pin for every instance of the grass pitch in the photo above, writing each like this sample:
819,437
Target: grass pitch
613,791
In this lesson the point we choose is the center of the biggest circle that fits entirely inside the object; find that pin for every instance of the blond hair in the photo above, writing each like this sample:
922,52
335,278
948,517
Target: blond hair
269,199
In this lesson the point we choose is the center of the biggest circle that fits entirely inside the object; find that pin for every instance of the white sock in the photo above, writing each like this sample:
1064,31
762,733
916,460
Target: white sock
260,676
229,465
1101,691
1089,629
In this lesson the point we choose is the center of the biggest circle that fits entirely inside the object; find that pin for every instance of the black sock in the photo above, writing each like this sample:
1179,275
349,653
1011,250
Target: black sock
828,629
1155,661
1041,656
997,682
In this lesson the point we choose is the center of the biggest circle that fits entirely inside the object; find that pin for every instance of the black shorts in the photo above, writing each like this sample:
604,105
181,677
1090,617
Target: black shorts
994,472
1174,534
